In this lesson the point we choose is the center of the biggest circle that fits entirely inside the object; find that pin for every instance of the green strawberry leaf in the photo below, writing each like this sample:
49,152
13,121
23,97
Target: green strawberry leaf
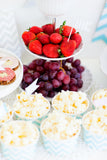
61,27
60,54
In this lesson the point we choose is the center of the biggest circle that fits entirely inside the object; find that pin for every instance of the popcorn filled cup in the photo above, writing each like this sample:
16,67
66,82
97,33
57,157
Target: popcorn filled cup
31,107
6,113
19,140
60,133
95,129
71,103
99,99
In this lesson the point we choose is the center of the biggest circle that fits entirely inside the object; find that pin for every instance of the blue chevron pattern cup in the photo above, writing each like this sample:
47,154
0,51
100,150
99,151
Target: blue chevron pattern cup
59,147
26,152
95,141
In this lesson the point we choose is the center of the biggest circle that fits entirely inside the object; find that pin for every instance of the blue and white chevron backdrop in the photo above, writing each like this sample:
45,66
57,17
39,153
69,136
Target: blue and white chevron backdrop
8,33
94,141
101,30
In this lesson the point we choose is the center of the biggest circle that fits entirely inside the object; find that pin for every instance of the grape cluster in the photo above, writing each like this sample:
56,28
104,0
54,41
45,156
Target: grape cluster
53,76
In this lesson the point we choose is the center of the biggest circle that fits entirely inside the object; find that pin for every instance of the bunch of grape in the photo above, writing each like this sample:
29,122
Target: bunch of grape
53,76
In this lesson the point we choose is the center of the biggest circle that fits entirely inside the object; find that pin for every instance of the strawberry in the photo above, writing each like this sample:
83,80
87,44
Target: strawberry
68,47
39,34
48,28
35,47
27,37
55,38
77,38
44,39
57,30
66,30
35,29
51,50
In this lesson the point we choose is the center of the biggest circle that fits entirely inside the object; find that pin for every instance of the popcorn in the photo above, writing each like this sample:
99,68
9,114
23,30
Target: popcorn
31,106
96,122
5,112
18,133
99,99
60,127
70,102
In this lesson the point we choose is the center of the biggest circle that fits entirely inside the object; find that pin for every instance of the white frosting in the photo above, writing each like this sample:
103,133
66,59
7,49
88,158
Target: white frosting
31,106
58,126
70,102
96,121
18,133
99,99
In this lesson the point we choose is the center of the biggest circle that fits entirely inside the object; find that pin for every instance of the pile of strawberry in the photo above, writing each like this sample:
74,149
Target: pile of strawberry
51,42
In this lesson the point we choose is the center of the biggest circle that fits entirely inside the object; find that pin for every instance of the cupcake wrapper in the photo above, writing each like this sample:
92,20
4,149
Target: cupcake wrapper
60,148
19,153
94,141
36,121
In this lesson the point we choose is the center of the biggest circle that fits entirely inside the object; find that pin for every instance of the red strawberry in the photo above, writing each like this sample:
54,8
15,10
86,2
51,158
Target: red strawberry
36,29
66,30
55,38
68,47
44,39
51,50
35,47
27,37
77,38
57,30
40,34
48,28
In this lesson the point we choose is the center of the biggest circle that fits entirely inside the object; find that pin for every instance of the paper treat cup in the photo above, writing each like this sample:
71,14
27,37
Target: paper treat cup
78,116
19,153
59,147
94,141
102,103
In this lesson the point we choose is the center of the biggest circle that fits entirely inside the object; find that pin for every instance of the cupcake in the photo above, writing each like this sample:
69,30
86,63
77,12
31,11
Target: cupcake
19,140
60,133
71,103
95,129
6,113
99,99
31,107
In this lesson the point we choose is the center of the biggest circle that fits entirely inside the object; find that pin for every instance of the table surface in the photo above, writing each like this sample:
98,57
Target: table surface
86,14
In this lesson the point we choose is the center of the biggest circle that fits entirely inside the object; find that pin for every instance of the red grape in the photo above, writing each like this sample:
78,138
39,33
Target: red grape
70,60
48,86
36,75
32,66
52,74
73,72
45,77
73,81
80,69
51,94
38,62
25,69
40,69
28,79
79,83
74,88
56,83
44,92
60,75
65,87
76,63
54,66
66,79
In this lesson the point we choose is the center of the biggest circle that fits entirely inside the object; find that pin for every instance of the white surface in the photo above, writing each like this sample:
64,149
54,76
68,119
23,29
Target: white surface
103,61
84,14
9,88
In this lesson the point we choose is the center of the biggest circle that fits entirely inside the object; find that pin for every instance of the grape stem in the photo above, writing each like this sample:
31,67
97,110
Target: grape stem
62,67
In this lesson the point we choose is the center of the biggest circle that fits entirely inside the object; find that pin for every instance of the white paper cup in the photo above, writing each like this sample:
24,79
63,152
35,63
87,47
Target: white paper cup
78,115
93,140
59,147
101,103
20,153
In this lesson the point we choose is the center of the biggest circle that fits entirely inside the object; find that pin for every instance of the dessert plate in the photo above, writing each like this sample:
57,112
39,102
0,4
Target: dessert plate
76,52
103,61
9,88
